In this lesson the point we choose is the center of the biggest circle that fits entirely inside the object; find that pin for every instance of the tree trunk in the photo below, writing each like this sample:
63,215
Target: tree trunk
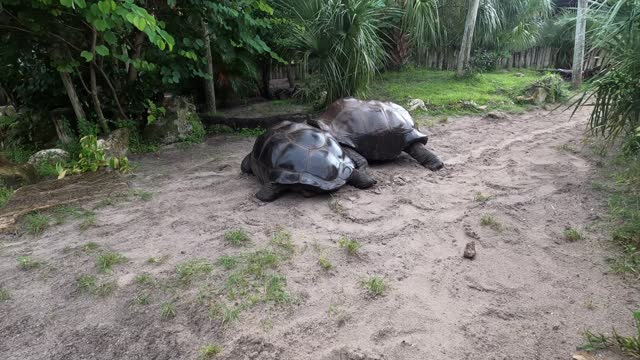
400,49
266,78
94,87
209,83
137,51
291,75
73,96
467,38
57,116
578,50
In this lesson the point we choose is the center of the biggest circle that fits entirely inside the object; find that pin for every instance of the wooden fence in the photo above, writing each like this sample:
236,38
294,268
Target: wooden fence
535,58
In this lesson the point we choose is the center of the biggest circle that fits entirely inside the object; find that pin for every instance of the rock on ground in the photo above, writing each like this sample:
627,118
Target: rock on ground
49,156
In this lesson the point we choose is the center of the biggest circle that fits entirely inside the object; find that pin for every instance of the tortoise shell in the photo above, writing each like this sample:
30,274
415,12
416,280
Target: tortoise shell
377,130
298,154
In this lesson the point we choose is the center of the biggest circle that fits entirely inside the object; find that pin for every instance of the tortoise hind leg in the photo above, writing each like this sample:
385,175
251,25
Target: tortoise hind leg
361,180
425,157
245,167
359,160
270,192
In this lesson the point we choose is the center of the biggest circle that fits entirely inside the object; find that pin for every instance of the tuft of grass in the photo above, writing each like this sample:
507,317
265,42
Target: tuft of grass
228,262
491,222
191,269
351,246
480,197
141,194
142,298
281,239
275,290
106,261
167,311
572,234
62,213
628,345
325,263
4,295
209,351
570,148
259,261
27,263
144,279
87,283
157,260
36,223
237,237
336,206
374,285
90,247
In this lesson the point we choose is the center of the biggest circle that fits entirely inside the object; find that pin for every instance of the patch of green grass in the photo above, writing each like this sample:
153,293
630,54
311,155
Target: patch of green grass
351,246
259,261
228,262
629,261
628,345
224,312
443,92
281,239
209,351
4,295
27,263
325,263
106,261
191,269
47,170
91,285
237,237
144,279
36,223
570,148
167,311
480,197
374,285
142,298
491,222
572,234
226,130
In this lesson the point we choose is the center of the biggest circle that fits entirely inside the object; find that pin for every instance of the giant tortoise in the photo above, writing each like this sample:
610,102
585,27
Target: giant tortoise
375,130
295,156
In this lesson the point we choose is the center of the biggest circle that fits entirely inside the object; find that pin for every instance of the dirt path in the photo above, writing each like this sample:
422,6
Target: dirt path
529,294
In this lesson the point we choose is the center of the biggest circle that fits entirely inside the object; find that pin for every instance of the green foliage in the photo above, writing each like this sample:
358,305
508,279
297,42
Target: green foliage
167,311
198,132
491,222
340,40
90,284
154,111
245,132
5,194
325,263
628,345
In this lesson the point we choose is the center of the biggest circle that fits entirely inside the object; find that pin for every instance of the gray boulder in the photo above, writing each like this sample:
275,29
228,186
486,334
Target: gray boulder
49,156
8,110
116,144
180,122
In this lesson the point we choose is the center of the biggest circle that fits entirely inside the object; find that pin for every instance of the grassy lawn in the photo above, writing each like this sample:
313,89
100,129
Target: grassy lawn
443,92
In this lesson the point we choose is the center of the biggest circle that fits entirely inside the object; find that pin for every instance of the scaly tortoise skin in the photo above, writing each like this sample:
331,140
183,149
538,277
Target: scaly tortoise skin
295,156
377,131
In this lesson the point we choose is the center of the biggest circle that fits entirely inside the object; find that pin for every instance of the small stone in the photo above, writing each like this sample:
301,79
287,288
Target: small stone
497,115
555,327
470,250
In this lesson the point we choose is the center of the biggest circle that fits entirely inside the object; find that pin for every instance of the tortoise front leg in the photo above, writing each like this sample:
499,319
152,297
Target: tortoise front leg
270,192
359,160
361,180
245,167
425,157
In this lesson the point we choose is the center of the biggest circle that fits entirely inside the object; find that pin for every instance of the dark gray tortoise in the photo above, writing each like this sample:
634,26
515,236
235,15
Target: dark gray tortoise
294,156
375,130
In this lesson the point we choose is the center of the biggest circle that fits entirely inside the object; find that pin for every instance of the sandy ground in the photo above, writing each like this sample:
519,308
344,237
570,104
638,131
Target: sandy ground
529,294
